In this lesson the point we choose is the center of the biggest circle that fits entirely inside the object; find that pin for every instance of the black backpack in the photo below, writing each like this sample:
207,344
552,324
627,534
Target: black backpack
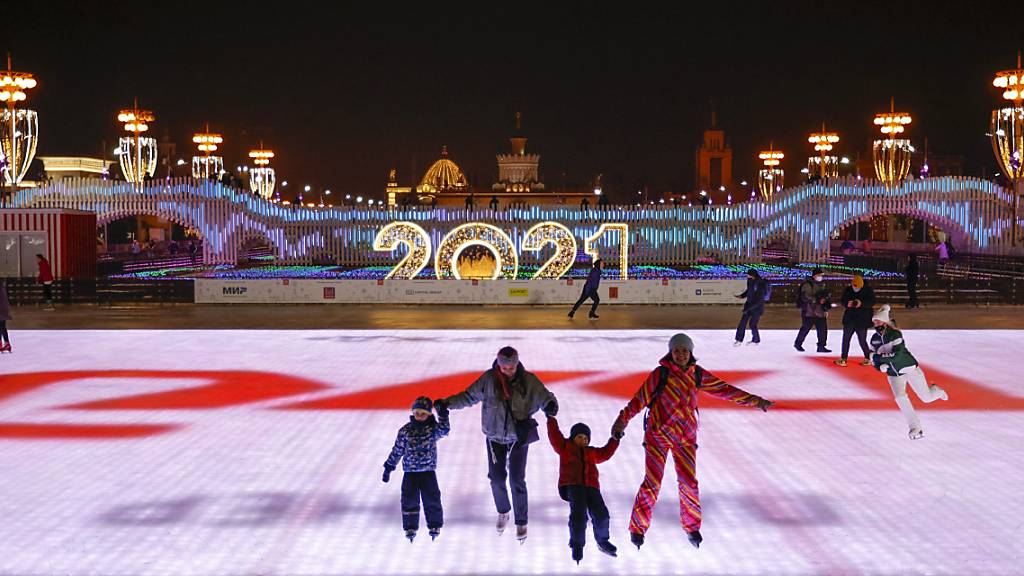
698,374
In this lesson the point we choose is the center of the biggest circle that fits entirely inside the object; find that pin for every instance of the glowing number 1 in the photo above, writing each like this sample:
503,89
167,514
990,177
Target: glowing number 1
565,248
415,238
623,230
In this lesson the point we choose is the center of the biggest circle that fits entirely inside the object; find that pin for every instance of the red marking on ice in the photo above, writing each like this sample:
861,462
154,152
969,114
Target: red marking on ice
401,396
13,430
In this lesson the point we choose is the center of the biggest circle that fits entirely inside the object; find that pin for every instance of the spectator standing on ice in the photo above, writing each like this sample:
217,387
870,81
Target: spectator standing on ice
858,298
814,302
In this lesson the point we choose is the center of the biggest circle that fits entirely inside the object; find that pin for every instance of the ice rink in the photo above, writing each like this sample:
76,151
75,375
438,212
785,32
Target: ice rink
260,452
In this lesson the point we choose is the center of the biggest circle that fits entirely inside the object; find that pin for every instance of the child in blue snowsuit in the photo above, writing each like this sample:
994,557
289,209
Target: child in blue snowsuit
416,446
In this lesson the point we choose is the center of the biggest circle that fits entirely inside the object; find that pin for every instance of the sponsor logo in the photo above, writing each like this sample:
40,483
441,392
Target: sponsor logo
328,292
613,291
234,290
518,292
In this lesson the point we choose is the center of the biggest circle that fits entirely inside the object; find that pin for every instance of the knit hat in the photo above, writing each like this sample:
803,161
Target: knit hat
857,282
680,340
579,428
423,403
508,356
882,315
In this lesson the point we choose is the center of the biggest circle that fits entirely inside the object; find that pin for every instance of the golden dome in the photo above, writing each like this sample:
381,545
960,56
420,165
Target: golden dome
443,176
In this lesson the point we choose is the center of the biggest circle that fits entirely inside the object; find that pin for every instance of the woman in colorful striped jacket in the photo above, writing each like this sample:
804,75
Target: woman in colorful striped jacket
670,391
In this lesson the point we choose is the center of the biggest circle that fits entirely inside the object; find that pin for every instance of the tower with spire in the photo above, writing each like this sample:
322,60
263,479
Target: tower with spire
714,162
518,171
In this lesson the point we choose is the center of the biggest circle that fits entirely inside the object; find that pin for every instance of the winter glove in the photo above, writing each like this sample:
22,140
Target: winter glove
618,430
764,404
551,408
883,367
387,473
441,404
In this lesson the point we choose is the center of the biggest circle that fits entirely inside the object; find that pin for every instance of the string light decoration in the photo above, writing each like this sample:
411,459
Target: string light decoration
19,128
262,178
565,248
476,233
770,178
417,243
824,164
892,154
1008,135
207,165
623,230
138,153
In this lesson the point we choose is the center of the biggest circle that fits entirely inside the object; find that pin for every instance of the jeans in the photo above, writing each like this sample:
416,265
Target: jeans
583,500
821,324
592,294
417,486
753,317
862,339
504,460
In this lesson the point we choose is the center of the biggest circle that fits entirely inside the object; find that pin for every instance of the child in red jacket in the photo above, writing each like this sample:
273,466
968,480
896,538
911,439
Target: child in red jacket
578,485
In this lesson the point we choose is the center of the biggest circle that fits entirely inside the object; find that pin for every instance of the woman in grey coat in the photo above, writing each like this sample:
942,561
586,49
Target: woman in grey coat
5,315
510,396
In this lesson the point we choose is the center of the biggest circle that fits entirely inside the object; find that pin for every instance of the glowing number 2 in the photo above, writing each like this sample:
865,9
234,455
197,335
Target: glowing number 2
478,233
565,248
623,230
415,238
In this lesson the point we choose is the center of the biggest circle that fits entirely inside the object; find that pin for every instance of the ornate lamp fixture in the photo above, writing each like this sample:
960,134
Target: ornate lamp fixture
1008,134
207,165
262,178
137,153
770,178
892,154
19,128
824,164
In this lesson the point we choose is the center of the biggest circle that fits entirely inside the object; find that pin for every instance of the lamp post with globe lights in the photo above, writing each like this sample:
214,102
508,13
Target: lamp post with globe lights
824,164
770,178
19,128
892,154
1008,135
207,165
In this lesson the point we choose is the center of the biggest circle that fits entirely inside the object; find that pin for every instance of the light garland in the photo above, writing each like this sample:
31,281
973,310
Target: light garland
565,248
623,230
476,233
207,166
132,158
20,152
892,155
416,241
770,178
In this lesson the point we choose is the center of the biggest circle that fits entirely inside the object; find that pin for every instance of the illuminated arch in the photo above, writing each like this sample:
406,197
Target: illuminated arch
478,233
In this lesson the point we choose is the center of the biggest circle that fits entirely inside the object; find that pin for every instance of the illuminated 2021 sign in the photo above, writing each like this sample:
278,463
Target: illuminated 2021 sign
498,243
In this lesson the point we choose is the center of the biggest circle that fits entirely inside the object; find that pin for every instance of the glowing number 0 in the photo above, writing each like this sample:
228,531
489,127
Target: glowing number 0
623,230
476,233
565,248
415,238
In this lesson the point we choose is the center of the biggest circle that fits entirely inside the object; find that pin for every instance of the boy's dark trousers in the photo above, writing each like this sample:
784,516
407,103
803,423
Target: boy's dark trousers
583,500
416,485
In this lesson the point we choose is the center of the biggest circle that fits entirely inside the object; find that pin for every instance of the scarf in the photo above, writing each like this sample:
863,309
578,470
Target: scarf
506,393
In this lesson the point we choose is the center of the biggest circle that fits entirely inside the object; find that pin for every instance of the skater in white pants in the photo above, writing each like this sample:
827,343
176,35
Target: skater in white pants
901,368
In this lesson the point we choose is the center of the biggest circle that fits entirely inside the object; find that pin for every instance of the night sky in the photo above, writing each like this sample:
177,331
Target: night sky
343,95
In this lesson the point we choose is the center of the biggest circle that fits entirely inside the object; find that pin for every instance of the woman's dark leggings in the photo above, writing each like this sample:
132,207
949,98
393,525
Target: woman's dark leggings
3,332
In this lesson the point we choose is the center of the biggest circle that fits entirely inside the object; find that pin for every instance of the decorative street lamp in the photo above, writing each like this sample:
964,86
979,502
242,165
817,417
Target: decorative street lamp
138,153
262,178
824,164
1008,134
891,154
207,166
19,128
770,178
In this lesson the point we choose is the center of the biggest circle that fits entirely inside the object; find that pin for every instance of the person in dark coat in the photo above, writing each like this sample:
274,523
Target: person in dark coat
912,271
753,308
590,291
814,305
578,485
5,315
858,299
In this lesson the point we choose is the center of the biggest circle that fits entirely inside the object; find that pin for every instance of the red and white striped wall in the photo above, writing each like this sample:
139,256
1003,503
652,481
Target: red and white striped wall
70,237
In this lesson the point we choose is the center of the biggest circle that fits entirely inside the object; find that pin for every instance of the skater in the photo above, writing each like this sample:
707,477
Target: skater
510,396
892,357
814,302
590,290
912,270
416,447
578,485
5,315
670,394
193,252
46,279
757,292
858,299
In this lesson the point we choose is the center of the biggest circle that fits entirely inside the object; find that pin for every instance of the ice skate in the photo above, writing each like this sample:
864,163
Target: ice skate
411,535
753,343
636,539
5,348
916,433
434,533
737,344
840,362
571,314
502,522
577,553
593,316
608,548
942,395
695,538
521,533
799,347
